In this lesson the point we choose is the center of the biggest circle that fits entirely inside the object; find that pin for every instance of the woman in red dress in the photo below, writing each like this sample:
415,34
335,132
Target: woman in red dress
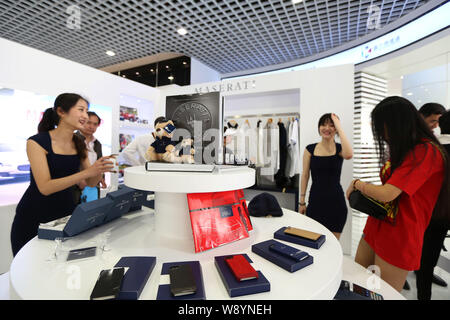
414,180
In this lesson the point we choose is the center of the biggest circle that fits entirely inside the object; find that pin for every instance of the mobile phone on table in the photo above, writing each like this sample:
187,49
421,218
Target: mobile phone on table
349,290
288,251
302,233
108,284
81,253
182,281
241,268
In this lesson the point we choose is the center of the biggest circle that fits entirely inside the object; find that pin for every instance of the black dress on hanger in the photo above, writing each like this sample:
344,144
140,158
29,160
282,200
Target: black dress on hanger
280,177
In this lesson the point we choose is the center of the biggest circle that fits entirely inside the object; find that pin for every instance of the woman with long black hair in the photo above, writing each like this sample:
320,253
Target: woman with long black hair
414,176
58,160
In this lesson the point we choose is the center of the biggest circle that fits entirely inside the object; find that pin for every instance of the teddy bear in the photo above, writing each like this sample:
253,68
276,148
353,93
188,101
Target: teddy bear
163,148
186,145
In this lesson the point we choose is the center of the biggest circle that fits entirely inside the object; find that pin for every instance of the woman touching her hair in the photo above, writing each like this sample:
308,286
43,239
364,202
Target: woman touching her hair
58,160
414,176
324,160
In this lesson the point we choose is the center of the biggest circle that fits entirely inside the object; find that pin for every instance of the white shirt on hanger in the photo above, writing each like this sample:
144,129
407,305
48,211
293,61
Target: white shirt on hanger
260,146
271,151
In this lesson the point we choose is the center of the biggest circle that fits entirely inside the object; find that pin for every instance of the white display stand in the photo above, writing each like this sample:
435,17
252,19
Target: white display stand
164,234
171,189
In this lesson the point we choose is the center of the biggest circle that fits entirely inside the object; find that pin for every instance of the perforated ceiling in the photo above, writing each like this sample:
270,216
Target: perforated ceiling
227,35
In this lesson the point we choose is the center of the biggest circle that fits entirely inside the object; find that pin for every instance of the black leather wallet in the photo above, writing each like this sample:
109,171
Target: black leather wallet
367,205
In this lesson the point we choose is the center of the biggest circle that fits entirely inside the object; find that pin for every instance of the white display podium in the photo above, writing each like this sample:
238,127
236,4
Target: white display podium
166,234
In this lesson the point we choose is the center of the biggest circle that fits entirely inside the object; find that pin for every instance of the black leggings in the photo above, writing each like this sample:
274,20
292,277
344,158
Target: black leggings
432,243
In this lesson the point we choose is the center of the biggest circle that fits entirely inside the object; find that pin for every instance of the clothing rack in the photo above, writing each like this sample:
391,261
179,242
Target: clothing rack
274,115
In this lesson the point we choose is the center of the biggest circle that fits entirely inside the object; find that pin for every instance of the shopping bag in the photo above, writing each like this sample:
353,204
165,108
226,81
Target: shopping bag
89,194
218,218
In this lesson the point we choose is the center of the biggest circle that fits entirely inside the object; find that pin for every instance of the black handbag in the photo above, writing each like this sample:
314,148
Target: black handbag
367,205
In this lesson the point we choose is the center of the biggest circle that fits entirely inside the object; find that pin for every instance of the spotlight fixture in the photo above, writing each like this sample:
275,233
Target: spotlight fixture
110,53
182,31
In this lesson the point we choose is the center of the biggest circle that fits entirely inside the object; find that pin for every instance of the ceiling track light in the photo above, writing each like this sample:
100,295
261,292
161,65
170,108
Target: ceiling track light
182,31
110,53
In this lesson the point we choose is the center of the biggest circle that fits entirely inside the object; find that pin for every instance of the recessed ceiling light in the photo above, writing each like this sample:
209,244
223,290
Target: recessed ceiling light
182,31
151,70
137,73
296,1
110,53
170,77
409,94
184,62
167,67
124,76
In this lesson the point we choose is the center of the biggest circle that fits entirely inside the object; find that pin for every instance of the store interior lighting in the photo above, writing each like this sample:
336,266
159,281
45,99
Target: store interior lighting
182,31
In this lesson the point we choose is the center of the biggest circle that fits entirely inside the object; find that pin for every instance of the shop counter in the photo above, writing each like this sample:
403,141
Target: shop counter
36,274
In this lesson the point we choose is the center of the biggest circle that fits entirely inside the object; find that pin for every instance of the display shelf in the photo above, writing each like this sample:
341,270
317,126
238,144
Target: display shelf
135,235
133,125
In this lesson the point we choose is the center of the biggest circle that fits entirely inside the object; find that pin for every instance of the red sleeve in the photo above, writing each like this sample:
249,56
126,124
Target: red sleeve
417,167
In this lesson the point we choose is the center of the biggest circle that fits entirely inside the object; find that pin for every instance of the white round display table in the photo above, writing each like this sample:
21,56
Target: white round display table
34,276
171,189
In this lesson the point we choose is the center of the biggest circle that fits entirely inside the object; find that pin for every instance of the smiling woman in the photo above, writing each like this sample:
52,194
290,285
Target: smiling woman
56,155
324,160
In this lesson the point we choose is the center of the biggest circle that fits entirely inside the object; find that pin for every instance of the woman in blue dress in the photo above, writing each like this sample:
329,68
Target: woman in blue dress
58,160
324,160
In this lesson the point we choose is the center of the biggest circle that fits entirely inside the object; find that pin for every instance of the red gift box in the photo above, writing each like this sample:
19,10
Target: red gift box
218,218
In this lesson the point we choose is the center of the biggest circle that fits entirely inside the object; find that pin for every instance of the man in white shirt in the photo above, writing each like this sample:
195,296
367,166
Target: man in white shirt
134,153
94,149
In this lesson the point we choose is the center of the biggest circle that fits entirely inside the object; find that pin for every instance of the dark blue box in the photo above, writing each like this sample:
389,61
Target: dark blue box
122,202
286,263
302,241
136,277
240,288
164,290
138,198
86,215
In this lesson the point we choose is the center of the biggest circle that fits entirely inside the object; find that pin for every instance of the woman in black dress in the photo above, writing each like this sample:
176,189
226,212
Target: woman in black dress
324,159
58,160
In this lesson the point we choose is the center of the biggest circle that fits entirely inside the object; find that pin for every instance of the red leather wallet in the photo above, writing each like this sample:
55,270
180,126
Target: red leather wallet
241,268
